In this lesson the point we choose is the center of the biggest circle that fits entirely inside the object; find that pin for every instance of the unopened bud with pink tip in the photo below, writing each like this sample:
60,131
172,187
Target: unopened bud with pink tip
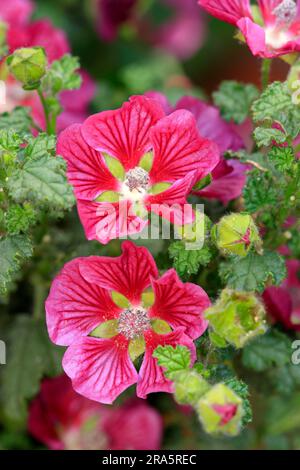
236,234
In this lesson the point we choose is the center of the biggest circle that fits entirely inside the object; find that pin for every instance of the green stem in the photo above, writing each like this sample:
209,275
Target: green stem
46,112
265,72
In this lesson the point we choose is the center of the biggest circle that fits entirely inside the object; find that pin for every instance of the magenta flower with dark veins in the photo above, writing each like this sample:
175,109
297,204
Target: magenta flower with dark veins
110,311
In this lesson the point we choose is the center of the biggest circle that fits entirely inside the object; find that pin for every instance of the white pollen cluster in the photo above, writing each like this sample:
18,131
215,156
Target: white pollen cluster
137,179
133,322
286,11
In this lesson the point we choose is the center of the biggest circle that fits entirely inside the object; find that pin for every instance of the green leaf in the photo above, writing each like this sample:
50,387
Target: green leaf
282,157
38,146
260,191
42,180
265,136
271,350
254,271
283,415
13,250
241,389
187,262
30,357
19,218
18,120
274,100
10,141
234,100
173,359
62,75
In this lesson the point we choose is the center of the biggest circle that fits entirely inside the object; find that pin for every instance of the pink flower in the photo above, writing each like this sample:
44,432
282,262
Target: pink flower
156,158
272,31
16,12
62,419
283,303
111,15
229,176
111,310
184,33
24,33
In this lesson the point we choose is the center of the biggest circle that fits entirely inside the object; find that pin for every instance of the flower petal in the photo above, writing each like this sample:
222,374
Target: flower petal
75,307
100,369
229,179
124,133
255,37
105,221
179,149
179,304
87,171
151,376
136,425
172,203
211,125
227,10
267,7
129,274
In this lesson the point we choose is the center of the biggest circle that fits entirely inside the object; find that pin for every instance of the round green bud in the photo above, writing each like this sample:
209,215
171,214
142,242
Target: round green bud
220,411
237,317
189,387
236,234
28,65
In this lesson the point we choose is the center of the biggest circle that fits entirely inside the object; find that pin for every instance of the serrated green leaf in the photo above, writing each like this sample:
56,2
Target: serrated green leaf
42,180
40,145
234,100
265,136
254,271
173,359
10,141
282,157
18,120
274,100
187,262
13,250
30,357
241,389
62,75
271,350
259,191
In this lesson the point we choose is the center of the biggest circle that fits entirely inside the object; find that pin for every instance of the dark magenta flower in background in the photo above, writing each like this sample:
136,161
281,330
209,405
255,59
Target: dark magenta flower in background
63,420
283,303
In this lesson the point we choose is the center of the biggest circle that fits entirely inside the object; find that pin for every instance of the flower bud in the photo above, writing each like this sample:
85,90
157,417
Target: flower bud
28,65
189,387
236,234
237,317
220,411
